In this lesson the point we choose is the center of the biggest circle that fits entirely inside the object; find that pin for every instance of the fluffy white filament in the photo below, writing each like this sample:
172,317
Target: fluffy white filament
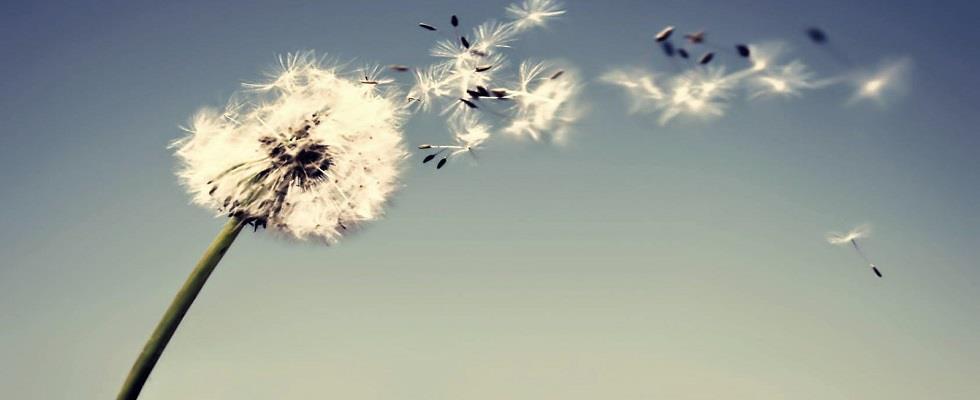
309,153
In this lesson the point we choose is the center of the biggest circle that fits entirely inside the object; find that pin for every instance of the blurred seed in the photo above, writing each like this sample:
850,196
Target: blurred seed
816,35
399,68
683,53
425,146
558,74
668,48
499,93
478,53
473,93
483,91
696,37
442,162
706,58
743,50
427,26
468,103
664,34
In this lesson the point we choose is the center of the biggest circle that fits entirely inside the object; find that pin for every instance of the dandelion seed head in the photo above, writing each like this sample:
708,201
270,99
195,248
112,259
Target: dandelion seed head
534,13
310,153
859,232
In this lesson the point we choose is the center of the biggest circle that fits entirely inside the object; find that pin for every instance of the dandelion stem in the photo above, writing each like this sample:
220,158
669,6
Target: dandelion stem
178,308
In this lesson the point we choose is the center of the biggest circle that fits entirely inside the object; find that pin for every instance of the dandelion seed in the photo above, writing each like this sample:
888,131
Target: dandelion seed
851,237
427,26
468,103
668,48
743,50
454,21
696,37
399,68
879,85
544,107
464,42
664,34
534,13
425,146
484,68
784,81
442,163
816,35
683,53
428,158
706,58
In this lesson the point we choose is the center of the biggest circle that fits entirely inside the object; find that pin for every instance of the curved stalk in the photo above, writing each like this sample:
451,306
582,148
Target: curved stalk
178,308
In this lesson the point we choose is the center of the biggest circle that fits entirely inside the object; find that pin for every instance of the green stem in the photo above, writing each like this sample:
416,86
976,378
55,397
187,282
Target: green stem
178,308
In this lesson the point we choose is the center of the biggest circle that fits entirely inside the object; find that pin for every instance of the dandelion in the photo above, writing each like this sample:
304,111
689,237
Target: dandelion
310,154
534,13
851,237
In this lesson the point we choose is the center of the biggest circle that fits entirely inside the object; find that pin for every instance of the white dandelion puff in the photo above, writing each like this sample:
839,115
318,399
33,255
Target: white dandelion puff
699,93
534,13
544,102
641,87
851,238
880,85
310,154
782,81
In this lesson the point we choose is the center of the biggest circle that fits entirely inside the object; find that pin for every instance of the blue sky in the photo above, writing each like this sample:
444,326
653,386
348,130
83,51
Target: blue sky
637,261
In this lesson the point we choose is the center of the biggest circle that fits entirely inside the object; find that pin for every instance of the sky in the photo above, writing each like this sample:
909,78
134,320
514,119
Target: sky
684,261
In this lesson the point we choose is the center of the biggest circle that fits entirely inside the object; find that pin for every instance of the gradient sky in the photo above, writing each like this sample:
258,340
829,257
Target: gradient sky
637,262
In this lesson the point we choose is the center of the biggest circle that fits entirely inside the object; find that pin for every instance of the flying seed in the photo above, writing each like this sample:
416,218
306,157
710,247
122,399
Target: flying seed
696,37
664,34
427,26
743,50
428,158
478,53
468,103
454,21
442,163
706,58
484,69
399,68
668,48
558,74
473,93
683,53
483,91
466,43
816,35
425,146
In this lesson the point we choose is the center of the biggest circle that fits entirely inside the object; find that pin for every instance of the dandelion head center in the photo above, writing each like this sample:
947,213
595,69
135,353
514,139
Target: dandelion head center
296,157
